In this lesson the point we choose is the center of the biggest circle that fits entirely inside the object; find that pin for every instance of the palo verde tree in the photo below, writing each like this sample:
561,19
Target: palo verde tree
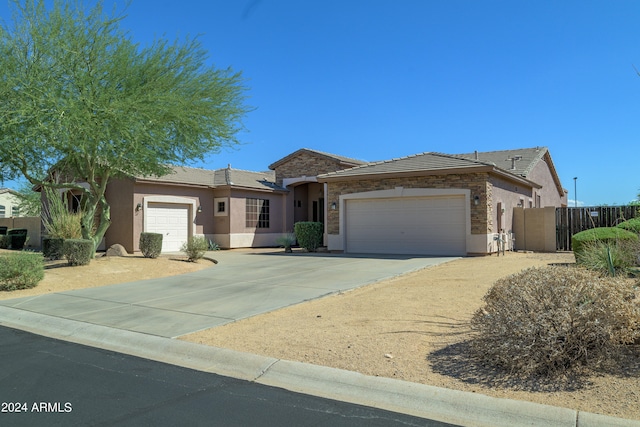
81,103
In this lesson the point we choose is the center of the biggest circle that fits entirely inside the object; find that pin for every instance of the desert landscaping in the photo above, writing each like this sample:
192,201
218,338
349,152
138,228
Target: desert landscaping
413,328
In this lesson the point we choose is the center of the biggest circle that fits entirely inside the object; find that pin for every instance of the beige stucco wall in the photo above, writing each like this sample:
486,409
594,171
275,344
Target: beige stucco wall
33,224
550,195
535,229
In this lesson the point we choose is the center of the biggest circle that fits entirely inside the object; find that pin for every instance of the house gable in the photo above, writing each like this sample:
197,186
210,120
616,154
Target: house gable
310,163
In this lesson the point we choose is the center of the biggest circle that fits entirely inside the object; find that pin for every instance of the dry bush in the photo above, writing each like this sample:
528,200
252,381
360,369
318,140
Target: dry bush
550,320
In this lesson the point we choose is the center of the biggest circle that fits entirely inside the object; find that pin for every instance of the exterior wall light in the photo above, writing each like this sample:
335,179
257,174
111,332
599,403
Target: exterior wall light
333,206
138,207
199,209
476,200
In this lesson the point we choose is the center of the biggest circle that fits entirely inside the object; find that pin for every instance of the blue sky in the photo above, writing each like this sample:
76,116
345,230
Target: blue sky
378,79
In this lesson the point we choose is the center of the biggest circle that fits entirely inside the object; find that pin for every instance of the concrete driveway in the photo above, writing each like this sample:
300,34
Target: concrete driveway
242,284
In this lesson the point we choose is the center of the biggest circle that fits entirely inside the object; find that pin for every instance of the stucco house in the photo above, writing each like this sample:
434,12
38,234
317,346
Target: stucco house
429,203
9,203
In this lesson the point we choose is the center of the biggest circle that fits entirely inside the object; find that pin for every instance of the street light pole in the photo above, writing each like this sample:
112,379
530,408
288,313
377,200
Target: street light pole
575,191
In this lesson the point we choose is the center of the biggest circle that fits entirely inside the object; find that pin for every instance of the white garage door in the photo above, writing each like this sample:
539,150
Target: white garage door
423,225
172,221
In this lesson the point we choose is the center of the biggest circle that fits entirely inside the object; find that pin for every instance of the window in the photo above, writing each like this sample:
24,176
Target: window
257,213
15,211
220,206
2,211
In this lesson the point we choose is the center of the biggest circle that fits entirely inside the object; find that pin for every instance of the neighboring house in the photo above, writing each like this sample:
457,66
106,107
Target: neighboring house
428,203
9,203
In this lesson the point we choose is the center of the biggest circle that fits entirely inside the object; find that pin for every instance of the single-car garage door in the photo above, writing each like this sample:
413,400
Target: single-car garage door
434,225
172,221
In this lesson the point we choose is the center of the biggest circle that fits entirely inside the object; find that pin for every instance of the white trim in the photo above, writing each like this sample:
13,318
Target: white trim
338,242
170,199
301,179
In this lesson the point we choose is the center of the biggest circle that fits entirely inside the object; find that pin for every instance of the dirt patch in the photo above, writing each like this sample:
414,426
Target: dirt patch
415,328
60,277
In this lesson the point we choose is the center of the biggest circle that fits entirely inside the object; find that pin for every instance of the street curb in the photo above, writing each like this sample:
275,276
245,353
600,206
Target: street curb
439,404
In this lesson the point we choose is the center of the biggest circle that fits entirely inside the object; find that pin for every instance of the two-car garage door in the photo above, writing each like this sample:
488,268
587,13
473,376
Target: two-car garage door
172,221
434,225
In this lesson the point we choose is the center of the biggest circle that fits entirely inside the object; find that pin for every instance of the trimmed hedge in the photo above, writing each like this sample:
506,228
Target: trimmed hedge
53,248
632,225
610,235
151,244
17,238
78,251
21,270
4,241
195,247
309,234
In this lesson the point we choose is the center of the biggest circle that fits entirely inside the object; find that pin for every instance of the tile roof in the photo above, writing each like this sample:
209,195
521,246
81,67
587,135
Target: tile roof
523,159
218,177
414,163
518,161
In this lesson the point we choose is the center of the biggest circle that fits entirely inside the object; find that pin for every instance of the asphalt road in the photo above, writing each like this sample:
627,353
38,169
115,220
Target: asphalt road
47,382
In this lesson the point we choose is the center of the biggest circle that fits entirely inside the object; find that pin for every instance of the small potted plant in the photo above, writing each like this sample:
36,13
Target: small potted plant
286,241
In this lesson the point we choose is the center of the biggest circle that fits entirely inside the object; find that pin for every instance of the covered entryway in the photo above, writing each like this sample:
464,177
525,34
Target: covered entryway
172,221
433,225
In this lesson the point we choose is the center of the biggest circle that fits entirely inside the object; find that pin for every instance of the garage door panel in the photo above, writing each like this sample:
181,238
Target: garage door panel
170,220
423,225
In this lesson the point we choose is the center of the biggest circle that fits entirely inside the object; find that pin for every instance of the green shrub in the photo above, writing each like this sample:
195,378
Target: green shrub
195,247
17,238
20,270
4,241
632,225
286,241
151,244
3,230
608,258
78,251
611,235
58,219
550,320
52,248
309,234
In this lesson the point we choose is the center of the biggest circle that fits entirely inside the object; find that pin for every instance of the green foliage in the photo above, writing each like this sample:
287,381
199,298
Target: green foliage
309,234
21,270
553,319
58,220
17,238
608,258
195,247
83,102
30,202
632,225
286,241
4,241
610,235
78,251
53,248
213,246
151,244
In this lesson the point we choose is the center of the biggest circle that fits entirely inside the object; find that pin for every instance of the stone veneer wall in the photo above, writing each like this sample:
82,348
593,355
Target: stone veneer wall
481,214
307,164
